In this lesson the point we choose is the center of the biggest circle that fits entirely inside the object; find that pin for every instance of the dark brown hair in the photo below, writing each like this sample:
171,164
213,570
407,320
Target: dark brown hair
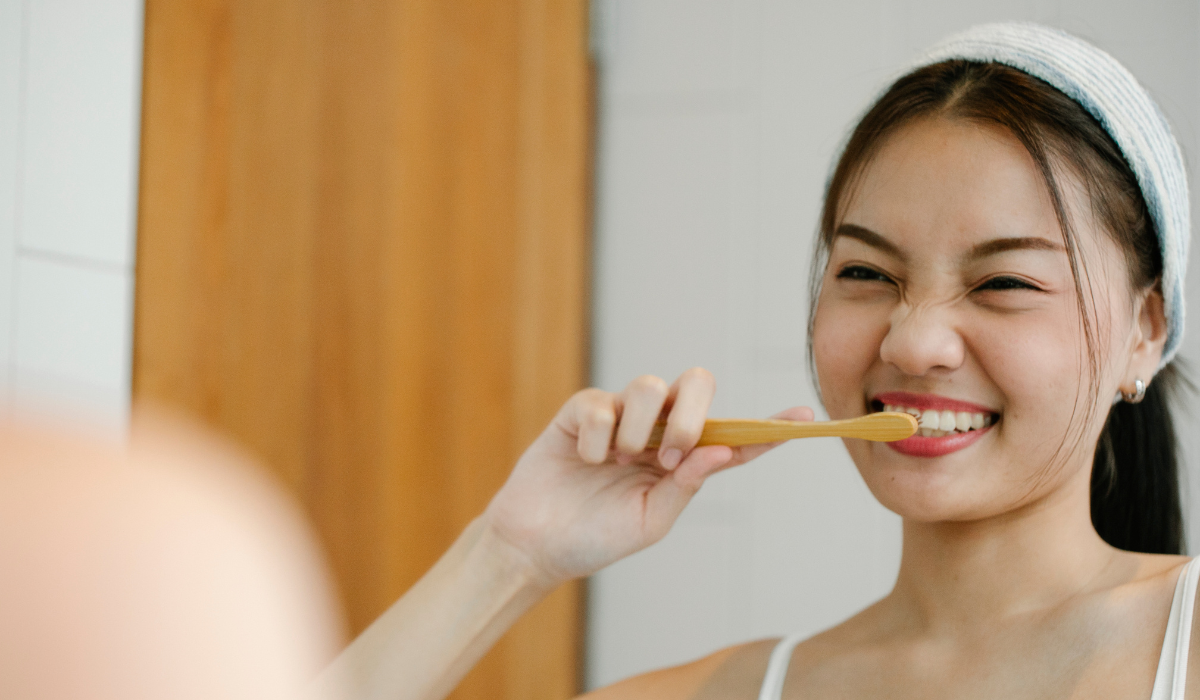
1135,488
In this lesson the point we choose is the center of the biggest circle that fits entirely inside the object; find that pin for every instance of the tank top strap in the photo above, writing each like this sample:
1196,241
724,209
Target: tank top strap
777,667
1170,679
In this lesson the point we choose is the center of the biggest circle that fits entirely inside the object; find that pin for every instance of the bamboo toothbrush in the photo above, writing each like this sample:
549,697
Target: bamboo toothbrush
877,427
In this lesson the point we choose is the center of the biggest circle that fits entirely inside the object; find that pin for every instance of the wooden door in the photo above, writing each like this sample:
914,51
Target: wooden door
362,252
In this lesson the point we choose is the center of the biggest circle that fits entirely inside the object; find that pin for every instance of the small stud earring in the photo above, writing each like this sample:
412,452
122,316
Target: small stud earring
1139,392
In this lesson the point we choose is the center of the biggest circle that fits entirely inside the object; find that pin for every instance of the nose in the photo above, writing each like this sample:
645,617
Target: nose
922,340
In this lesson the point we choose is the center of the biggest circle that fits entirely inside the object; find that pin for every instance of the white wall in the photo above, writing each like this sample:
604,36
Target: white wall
718,120
70,92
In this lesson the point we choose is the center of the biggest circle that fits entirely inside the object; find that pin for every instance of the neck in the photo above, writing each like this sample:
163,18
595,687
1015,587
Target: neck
1033,558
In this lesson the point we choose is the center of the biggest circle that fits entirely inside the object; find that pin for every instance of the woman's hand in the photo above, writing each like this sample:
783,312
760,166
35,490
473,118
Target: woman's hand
585,494
588,492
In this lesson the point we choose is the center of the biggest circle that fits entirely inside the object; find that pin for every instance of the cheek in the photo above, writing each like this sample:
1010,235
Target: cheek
1038,364
846,344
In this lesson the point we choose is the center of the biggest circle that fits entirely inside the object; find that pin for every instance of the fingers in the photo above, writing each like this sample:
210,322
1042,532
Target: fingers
744,454
600,420
691,397
666,500
641,403
702,463
798,413
590,416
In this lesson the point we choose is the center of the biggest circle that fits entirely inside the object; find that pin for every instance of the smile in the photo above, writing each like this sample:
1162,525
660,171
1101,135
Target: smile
944,425
934,423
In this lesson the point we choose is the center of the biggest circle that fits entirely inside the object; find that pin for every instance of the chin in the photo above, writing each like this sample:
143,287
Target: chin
922,491
925,504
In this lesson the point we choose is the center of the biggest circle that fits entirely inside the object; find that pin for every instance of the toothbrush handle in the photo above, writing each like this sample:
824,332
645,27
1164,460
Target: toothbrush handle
877,427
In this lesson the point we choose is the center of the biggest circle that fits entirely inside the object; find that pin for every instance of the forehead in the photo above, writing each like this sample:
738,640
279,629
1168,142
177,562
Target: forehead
952,180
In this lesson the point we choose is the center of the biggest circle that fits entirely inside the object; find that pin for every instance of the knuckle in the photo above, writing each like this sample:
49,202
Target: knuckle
588,401
591,395
648,386
599,417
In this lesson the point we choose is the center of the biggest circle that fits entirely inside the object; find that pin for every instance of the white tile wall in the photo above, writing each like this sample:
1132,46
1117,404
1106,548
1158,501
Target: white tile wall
82,90
70,89
668,182
718,120
700,52
72,335
11,26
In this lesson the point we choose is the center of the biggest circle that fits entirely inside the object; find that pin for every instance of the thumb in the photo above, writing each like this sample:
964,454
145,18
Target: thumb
667,499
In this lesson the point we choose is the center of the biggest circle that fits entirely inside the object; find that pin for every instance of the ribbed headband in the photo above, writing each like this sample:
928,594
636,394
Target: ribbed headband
1114,97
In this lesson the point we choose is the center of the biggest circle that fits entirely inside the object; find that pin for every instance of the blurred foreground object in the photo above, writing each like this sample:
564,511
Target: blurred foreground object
165,567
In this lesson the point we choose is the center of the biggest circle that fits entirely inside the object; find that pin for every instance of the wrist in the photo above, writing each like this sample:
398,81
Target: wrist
507,560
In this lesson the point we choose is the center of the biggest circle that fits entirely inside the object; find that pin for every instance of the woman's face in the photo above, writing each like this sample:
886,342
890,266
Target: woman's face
949,292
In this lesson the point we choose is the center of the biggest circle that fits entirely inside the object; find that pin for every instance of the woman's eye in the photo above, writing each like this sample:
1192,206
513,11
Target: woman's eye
863,273
1004,283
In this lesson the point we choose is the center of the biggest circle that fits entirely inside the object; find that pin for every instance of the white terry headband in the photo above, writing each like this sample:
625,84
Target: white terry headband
1114,97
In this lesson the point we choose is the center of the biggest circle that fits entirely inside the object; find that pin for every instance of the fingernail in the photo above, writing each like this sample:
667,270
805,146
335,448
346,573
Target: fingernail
670,458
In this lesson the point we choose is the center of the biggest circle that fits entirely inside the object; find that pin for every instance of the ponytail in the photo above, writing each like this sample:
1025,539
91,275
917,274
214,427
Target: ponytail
1135,475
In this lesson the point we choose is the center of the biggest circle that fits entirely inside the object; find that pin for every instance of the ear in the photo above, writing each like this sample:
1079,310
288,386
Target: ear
1149,337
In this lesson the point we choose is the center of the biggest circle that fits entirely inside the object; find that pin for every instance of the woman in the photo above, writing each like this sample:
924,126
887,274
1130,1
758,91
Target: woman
1001,253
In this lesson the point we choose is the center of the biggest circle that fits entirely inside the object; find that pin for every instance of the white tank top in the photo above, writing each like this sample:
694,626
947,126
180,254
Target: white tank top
1169,680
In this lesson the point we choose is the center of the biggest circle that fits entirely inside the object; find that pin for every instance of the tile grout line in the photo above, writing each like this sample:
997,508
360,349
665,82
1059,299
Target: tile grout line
74,260
18,183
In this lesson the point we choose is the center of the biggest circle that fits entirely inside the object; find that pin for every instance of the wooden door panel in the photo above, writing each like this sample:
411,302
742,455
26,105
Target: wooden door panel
362,252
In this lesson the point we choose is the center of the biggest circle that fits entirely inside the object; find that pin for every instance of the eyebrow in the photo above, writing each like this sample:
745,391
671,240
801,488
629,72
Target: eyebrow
977,252
1003,245
872,239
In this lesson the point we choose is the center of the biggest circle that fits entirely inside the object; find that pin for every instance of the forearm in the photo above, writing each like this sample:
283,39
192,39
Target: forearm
428,640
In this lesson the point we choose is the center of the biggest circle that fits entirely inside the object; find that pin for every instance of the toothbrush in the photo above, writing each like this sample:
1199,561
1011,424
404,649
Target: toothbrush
877,427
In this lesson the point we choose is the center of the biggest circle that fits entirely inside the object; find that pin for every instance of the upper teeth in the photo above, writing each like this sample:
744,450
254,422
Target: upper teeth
933,423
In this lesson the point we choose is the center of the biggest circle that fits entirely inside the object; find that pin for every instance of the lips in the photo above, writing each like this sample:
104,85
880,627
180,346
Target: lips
921,446
935,443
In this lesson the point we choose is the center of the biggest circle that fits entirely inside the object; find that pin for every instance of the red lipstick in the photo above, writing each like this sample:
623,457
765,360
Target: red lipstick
920,446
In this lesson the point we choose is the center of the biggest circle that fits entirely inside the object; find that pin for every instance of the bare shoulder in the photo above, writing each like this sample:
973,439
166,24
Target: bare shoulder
1157,565
1138,577
1163,573
733,673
